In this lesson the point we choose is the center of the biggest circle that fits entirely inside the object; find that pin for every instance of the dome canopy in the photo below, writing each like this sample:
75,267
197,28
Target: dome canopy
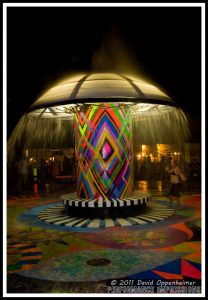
62,99
101,86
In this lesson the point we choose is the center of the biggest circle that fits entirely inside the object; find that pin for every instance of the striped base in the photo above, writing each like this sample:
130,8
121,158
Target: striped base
58,216
138,198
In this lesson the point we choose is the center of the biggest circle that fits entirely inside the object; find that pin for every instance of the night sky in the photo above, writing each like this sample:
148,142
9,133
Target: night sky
162,44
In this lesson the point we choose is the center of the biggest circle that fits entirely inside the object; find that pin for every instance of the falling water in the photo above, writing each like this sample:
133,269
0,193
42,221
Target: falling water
166,126
160,127
40,133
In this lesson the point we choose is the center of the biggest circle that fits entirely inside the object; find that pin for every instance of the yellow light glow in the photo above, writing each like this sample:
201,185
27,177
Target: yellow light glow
136,78
106,84
72,78
151,89
98,76
100,85
59,91
160,188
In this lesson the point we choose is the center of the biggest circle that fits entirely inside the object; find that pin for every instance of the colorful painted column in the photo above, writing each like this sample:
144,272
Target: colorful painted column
103,145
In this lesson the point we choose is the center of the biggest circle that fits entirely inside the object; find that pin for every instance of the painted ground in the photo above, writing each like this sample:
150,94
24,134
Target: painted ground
43,257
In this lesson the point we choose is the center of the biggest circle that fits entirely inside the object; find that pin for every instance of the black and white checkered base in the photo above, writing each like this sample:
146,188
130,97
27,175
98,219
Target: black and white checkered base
59,216
138,198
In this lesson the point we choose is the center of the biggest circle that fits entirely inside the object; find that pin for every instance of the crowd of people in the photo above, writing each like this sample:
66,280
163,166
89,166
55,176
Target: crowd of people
46,170
145,169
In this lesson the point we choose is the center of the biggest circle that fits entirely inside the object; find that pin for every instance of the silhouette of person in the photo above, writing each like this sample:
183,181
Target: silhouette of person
22,169
175,180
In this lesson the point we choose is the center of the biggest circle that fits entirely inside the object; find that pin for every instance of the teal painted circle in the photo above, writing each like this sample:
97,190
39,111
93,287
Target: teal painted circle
74,266
33,217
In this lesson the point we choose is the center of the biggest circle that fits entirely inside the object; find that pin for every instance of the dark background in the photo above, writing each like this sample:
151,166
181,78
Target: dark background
161,44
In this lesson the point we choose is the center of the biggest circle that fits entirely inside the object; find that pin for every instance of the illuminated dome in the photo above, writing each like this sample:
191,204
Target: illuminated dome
60,100
50,120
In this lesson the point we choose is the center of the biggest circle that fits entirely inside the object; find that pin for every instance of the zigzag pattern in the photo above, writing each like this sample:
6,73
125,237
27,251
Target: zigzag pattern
103,145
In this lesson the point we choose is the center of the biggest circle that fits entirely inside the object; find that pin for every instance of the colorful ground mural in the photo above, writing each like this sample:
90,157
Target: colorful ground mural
46,258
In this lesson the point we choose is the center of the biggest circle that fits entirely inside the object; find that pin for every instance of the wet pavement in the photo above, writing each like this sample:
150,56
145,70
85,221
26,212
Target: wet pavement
47,258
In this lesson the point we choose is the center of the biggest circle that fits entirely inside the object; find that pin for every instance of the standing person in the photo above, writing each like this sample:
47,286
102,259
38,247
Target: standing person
48,174
194,169
185,171
66,165
163,166
147,165
42,174
55,171
175,180
56,167
22,172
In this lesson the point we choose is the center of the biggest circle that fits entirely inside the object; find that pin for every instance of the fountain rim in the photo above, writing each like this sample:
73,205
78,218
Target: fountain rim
118,99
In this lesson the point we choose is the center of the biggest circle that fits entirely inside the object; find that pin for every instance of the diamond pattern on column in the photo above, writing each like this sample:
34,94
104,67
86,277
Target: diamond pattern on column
103,145
106,150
